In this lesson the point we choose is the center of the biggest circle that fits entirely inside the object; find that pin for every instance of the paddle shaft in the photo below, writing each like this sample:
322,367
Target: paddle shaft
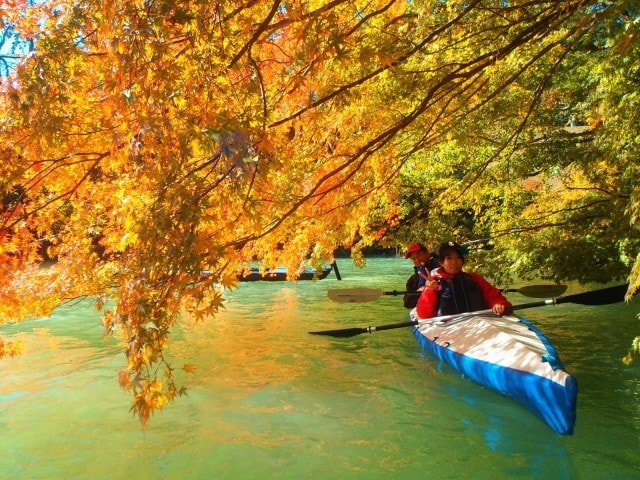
603,296
580,298
395,293
360,295
448,318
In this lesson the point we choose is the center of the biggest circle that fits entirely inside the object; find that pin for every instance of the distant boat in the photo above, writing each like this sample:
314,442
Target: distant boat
280,274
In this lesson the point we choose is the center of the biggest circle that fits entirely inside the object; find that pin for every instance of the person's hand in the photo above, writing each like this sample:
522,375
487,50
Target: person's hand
432,284
498,309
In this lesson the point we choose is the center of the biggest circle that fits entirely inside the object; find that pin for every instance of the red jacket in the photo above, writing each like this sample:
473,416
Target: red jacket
428,302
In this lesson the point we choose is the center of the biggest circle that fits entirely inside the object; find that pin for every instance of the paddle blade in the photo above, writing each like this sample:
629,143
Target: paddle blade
604,296
342,333
354,295
540,291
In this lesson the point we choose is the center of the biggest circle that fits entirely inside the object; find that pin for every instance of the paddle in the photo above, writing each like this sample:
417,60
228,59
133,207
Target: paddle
604,296
360,295
334,265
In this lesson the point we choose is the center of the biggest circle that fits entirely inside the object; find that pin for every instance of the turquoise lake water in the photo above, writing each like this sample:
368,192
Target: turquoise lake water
270,401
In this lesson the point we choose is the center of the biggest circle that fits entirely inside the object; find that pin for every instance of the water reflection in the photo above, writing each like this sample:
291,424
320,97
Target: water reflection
270,401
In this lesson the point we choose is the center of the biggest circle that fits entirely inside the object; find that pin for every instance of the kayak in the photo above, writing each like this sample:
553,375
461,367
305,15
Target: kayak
509,355
280,274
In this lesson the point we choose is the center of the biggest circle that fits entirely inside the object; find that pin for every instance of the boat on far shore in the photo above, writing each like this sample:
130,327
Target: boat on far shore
255,274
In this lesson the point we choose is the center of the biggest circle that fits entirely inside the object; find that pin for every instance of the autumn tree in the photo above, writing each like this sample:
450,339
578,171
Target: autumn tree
559,149
153,141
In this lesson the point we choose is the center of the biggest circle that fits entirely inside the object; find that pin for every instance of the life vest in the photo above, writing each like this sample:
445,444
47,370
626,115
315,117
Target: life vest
433,262
413,283
459,294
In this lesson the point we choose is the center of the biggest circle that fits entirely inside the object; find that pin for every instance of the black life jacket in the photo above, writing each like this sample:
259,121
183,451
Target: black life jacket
410,301
459,294
414,281
433,262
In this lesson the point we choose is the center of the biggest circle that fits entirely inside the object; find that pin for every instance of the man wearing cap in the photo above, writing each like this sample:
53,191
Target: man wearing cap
423,262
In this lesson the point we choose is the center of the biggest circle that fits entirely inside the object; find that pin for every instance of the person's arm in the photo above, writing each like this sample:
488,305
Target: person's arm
427,303
492,296
423,276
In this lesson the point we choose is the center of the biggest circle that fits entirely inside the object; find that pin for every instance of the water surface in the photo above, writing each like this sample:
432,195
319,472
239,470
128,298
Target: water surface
268,400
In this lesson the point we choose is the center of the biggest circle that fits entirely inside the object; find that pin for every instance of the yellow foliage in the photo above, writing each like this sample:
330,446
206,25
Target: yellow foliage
189,368
634,352
10,349
160,147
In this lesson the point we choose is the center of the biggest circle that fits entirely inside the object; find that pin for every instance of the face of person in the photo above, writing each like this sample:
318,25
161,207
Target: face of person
452,263
419,257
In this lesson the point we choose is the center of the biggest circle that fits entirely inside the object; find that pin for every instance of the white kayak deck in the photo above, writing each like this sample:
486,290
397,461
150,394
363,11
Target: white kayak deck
500,340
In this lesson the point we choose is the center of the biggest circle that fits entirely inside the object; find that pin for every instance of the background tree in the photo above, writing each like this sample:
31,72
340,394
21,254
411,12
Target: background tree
157,140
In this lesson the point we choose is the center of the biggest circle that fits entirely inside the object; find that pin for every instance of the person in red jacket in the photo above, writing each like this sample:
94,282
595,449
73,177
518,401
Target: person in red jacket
450,291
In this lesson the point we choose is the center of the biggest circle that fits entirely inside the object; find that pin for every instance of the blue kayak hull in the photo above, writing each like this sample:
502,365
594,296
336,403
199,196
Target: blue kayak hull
534,378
